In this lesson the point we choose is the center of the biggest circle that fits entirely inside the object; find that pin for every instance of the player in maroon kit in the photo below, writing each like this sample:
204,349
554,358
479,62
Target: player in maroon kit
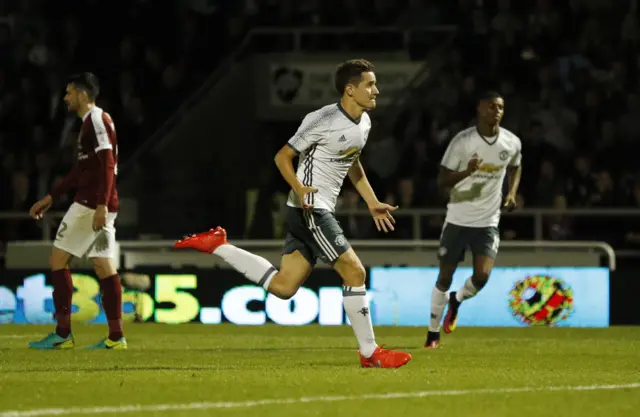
88,227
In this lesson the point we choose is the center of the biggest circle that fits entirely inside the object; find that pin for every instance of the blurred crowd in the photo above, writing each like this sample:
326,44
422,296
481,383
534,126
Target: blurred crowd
568,70
148,55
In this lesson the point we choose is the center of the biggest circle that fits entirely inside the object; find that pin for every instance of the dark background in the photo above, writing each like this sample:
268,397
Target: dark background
568,70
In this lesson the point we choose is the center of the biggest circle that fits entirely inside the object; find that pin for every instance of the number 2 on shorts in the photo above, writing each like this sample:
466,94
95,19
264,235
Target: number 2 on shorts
61,229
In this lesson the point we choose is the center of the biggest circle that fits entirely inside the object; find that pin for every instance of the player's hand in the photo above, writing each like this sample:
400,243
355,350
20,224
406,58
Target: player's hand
473,164
40,207
302,196
100,218
102,241
381,213
510,203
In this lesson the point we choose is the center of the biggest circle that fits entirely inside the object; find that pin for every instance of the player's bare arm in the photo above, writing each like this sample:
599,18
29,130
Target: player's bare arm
41,206
381,212
448,179
513,176
359,180
284,161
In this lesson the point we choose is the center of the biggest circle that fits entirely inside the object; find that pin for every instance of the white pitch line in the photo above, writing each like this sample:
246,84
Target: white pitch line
137,408
19,336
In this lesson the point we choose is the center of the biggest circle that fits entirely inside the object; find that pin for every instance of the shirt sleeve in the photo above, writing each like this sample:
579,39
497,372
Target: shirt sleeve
103,147
516,160
107,170
454,155
309,133
101,136
68,182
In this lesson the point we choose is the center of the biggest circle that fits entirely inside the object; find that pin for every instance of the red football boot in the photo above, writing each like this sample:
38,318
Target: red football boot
205,242
383,358
451,319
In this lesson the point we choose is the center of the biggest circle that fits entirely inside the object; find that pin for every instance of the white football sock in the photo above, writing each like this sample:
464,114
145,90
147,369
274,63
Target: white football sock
439,300
254,267
356,304
467,291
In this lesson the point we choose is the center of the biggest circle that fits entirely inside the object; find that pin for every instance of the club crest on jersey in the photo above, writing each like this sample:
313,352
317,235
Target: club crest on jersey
346,156
490,168
340,240
504,155
349,152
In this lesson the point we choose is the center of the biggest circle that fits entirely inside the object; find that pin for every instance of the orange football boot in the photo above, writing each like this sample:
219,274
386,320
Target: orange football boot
384,358
205,242
451,319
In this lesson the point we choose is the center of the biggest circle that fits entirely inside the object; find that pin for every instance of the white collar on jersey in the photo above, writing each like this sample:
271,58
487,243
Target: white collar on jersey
84,116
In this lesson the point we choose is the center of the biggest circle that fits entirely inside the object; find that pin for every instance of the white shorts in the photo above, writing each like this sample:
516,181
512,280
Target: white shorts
76,236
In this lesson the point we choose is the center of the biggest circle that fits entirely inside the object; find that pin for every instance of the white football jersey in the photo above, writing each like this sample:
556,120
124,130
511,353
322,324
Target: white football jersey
476,200
328,141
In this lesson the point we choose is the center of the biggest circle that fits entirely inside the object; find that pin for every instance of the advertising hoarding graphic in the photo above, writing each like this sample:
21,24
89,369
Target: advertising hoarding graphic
400,296
541,300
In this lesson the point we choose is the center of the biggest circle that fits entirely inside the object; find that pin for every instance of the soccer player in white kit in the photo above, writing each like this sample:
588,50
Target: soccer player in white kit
328,144
473,169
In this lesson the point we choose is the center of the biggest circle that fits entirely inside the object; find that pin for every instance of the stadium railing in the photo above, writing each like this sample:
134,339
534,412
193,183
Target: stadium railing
417,245
136,246
417,216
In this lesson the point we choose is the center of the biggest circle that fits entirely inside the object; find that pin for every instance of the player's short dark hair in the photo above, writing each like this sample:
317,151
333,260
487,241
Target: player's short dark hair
488,95
350,72
86,81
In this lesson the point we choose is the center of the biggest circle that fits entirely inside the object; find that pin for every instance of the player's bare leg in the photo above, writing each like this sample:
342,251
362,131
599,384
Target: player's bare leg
294,267
111,290
62,294
482,266
439,300
294,271
356,305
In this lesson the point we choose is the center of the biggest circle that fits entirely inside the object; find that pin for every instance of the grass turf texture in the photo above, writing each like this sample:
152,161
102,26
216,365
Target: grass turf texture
174,366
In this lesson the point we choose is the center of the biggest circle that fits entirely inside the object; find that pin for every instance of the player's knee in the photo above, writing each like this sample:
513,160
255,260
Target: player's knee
445,276
281,287
354,275
53,264
444,282
283,292
103,267
480,279
57,261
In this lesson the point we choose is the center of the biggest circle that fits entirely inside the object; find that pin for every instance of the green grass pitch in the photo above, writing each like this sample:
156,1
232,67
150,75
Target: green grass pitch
226,370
